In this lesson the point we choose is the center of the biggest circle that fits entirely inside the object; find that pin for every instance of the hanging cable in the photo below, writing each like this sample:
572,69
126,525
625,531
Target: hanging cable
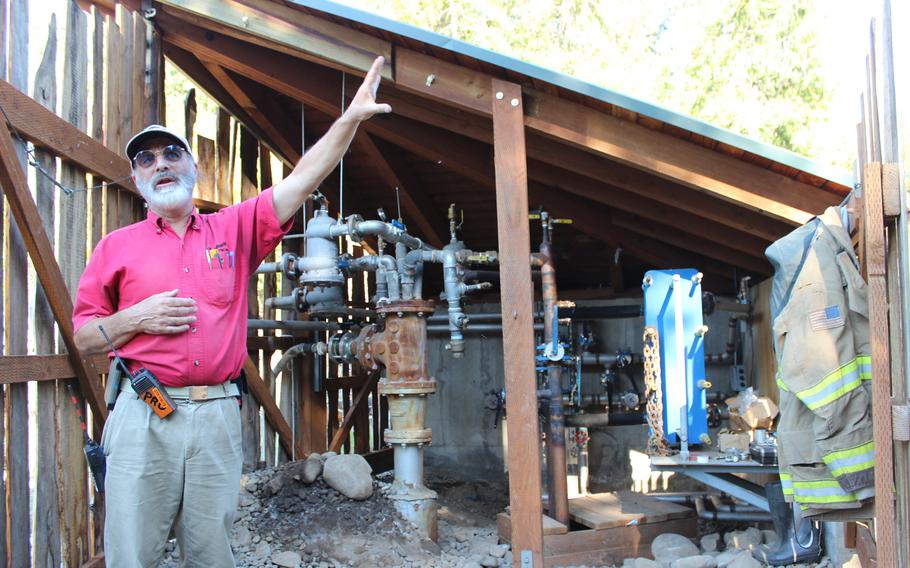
33,162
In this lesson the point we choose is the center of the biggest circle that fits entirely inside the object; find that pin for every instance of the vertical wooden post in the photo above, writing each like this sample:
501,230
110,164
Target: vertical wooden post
249,164
885,544
47,525
72,477
517,309
16,414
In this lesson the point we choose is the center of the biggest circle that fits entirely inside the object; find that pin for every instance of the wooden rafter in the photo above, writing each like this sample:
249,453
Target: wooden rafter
700,168
289,31
319,86
415,203
192,67
285,148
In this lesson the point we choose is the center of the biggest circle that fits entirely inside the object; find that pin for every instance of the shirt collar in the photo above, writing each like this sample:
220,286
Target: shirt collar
160,223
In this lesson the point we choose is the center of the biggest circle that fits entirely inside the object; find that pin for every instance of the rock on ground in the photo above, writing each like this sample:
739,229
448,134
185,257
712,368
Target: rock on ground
709,542
744,560
312,468
744,540
350,475
668,547
699,561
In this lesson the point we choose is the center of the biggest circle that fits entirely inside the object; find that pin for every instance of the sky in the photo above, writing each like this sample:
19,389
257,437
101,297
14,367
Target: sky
843,40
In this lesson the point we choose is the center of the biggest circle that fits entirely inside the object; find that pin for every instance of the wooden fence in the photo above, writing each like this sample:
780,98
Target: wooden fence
881,213
64,189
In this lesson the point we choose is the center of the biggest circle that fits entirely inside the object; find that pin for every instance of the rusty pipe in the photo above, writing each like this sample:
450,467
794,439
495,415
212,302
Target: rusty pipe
557,492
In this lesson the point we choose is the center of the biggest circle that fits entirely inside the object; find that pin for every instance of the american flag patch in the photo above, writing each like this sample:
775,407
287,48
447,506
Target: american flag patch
826,318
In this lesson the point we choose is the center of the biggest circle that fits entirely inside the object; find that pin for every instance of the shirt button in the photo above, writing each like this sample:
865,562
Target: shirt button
186,268
193,330
196,362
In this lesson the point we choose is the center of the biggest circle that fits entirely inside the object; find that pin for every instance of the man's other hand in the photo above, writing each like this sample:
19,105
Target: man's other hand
164,313
364,105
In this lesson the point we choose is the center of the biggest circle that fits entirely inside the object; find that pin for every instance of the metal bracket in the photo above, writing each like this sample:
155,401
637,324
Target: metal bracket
527,559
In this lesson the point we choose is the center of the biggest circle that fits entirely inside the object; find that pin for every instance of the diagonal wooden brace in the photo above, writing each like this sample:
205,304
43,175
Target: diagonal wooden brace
359,404
15,186
260,392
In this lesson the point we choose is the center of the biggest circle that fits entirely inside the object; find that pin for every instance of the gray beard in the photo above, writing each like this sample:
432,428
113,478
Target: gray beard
177,196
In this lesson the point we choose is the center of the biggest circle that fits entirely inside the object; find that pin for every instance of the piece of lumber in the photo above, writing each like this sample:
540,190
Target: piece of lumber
272,413
866,547
27,368
47,528
886,545
610,546
518,334
205,166
72,475
223,157
357,405
285,148
550,526
703,169
301,34
891,190
16,408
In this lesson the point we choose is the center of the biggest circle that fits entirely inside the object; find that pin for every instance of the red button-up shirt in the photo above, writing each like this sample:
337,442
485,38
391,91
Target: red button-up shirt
211,264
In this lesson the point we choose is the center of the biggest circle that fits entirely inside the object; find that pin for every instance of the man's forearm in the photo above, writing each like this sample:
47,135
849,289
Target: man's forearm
120,327
290,193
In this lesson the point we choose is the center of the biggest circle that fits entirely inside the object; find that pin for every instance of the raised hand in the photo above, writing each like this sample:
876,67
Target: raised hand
364,104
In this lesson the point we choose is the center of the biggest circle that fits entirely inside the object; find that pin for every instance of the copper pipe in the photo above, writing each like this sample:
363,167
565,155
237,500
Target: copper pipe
557,492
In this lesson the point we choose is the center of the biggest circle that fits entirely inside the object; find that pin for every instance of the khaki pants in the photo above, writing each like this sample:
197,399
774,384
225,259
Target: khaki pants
181,472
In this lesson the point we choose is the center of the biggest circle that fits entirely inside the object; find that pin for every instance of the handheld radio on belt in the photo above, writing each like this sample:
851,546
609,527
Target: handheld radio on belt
97,463
145,384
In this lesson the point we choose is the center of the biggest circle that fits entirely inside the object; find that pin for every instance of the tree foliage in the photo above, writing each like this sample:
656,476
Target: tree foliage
750,66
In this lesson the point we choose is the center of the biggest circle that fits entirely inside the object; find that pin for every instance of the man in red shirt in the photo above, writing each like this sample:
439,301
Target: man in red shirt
170,292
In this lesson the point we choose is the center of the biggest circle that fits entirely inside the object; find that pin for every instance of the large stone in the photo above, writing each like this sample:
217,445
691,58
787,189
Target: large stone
744,540
744,560
668,547
499,550
286,559
349,474
312,468
644,563
700,561
725,558
709,542
489,561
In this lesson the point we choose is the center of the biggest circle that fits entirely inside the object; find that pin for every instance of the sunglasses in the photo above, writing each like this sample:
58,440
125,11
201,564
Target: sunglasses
147,158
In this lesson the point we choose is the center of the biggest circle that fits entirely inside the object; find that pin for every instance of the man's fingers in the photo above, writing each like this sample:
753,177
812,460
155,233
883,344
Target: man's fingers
172,329
180,302
181,311
168,293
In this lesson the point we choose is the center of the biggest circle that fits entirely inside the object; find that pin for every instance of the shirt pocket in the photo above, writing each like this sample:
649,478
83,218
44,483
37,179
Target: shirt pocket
218,281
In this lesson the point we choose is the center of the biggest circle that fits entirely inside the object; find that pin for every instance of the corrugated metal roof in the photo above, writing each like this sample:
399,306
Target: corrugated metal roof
561,80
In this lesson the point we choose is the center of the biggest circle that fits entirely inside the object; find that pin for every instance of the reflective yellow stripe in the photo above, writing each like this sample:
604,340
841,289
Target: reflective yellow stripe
786,483
827,491
780,382
851,460
837,383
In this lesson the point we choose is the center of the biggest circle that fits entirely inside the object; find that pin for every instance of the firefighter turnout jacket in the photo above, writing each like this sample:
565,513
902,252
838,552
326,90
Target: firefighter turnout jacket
820,322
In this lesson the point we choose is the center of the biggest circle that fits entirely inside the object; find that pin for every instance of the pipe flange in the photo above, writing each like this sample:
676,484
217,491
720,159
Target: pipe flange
406,388
408,306
405,437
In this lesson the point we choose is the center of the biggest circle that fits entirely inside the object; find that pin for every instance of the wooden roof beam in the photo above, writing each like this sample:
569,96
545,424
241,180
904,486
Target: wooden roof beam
289,30
196,71
469,159
672,158
418,206
284,147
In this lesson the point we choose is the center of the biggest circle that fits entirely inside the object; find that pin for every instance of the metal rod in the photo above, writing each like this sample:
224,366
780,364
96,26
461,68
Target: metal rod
558,491
744,516
293,325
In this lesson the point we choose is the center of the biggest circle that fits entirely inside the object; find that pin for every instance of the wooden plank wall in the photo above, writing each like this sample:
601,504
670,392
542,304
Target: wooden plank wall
883,227
104,91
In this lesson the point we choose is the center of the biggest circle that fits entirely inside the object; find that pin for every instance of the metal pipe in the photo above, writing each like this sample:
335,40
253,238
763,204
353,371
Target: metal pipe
609,359
294,325
603,419
741,516
557,492
601,312
387,231
293,352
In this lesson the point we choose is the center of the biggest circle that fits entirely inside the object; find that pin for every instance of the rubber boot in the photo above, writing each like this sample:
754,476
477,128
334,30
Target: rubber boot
794,545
